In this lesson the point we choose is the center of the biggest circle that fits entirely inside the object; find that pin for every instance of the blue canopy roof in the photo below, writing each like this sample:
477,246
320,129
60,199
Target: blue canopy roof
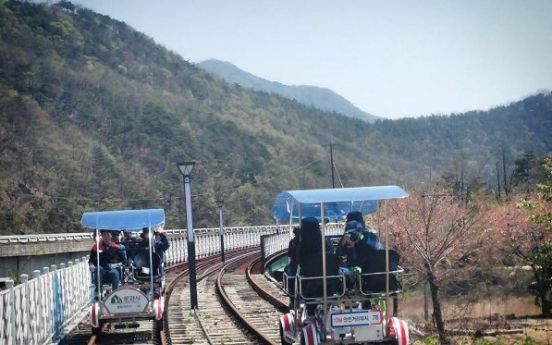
126,220
337,202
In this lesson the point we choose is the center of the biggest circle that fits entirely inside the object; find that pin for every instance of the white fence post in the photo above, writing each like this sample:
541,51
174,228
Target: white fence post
25,317
11,323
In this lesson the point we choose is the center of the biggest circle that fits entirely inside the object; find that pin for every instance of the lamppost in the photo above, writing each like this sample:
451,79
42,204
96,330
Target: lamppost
186,170
220,203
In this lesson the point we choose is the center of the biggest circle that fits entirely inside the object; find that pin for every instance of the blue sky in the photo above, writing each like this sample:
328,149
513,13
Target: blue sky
389,58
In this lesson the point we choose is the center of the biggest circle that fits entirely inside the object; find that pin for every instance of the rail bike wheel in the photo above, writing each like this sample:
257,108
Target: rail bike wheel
309,335
283,340
159,325
97,331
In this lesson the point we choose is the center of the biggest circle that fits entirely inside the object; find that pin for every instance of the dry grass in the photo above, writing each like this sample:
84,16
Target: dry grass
487,314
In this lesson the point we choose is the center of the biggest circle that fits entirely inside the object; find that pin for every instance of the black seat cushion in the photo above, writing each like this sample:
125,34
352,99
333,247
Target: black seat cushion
376,264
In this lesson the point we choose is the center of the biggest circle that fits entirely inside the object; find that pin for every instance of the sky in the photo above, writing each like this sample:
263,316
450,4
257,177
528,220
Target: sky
391,59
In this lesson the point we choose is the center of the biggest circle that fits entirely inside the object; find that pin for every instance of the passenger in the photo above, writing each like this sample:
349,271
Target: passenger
127,236
357,216
347,248
347,244
110,260
160,244
116,237
291,267
366,235
356,248
310,258
130,244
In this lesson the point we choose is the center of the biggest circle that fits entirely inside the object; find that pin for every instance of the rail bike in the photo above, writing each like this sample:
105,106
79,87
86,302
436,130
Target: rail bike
351,305
139,295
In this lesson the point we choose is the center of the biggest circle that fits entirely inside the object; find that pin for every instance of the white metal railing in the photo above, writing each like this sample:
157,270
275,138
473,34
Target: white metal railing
71,236
41,238
36,310
331,229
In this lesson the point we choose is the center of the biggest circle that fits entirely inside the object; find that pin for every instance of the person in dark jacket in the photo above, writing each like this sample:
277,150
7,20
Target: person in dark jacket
160,244
291,267
293,247
110,258
310,257
130,244
357,247
357,242
116,237
348,241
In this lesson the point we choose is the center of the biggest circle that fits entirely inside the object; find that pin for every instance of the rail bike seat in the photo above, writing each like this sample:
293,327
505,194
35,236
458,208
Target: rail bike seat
310,280
373,278
142,270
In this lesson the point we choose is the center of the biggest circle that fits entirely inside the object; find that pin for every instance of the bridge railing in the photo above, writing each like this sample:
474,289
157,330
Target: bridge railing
279,241
208,242
36,311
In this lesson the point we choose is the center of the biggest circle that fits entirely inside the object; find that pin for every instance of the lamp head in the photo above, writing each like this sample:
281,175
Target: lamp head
186,167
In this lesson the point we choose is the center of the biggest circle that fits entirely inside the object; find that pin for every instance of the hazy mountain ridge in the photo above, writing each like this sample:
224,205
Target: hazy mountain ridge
319,97
94,115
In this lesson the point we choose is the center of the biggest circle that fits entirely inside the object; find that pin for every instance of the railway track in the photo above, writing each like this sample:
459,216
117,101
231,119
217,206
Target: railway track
215,321
239,288
187,326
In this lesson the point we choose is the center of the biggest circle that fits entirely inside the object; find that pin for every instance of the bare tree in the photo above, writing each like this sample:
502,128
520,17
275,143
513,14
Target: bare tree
523,228
434,233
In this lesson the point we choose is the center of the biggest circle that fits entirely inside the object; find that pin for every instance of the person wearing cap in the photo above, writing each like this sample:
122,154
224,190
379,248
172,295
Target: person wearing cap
160,243
355,250
110,259
348,244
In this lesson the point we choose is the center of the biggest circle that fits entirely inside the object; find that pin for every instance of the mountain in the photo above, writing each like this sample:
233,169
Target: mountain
321,98
95,115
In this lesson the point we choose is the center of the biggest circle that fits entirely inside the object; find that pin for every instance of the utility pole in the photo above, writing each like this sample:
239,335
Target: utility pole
332,164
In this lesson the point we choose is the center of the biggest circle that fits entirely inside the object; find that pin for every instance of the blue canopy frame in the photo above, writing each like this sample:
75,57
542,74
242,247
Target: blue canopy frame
124,220
337,202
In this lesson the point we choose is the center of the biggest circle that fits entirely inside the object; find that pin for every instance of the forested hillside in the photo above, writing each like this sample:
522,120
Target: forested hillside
94,116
